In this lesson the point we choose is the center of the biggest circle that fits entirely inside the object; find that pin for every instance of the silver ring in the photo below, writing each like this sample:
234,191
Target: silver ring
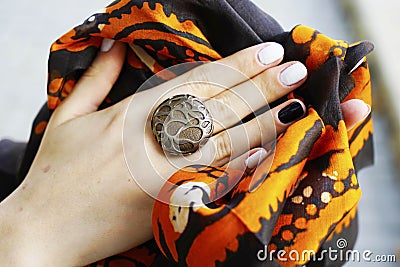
182,124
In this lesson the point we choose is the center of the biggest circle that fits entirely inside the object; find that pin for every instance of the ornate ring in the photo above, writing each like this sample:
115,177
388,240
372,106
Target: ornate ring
182,124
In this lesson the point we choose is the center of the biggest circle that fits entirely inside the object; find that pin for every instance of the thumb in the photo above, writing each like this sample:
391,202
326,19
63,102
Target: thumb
94,85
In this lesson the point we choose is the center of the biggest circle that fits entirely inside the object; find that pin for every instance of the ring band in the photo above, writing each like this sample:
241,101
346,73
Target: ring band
182,124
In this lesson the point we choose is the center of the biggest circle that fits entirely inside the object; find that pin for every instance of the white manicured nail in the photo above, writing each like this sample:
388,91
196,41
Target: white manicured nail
270,53
253,160
359,109
293,74
106,45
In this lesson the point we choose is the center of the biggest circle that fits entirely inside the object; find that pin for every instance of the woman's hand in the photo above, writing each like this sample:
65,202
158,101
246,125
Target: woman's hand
80,202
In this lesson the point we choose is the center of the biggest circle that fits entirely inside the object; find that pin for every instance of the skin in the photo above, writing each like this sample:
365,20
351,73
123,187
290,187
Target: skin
79,203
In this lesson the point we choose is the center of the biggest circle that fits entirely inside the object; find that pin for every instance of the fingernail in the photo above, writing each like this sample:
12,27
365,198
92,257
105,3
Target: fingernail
362,112
293,74
366,112
291,112
270,53
106,45
253,160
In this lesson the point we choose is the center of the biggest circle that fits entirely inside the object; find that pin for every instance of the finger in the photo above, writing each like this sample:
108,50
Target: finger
235,141
212,78
355,111
94,85
247,160
232,105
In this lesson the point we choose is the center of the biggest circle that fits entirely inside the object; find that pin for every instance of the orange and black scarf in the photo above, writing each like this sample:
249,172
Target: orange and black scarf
308,199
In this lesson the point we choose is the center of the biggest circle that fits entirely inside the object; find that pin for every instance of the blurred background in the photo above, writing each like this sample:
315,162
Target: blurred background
29,27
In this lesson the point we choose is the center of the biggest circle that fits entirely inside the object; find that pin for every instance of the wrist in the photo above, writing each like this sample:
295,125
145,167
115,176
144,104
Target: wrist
18,244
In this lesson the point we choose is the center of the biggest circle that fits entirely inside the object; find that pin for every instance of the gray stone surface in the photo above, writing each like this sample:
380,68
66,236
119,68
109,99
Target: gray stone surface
29,27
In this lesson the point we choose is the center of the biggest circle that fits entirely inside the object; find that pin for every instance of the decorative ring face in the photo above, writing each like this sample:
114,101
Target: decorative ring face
182,124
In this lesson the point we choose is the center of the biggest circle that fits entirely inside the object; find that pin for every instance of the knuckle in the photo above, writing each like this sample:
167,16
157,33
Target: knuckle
201,80
221,107
266,82
91,72
114,117
223,148
265,125
197,78
244,64
244,61
96,73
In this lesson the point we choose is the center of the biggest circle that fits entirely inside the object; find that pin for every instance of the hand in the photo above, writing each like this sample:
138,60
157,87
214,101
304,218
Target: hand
79,203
